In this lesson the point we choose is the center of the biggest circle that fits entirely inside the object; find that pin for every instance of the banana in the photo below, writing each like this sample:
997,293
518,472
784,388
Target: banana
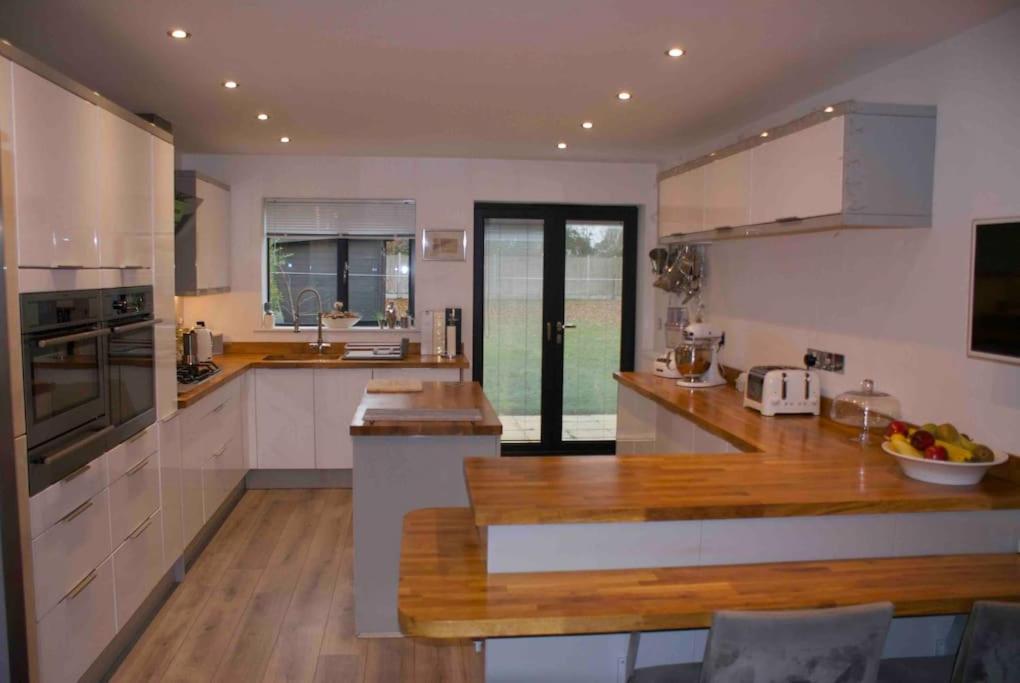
956,453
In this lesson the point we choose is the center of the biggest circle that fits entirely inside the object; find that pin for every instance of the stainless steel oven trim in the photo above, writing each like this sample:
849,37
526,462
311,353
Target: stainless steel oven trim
131,327
73,448
78,336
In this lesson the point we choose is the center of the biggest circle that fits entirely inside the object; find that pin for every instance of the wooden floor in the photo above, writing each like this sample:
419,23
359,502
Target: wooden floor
271,598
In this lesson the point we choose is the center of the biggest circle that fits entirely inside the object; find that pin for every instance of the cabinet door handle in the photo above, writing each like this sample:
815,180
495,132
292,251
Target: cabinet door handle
70,516
219,407
138,468
80,586
219,452
140,529
77,473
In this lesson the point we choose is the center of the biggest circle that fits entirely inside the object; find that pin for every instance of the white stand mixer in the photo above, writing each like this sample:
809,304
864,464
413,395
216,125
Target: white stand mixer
697,358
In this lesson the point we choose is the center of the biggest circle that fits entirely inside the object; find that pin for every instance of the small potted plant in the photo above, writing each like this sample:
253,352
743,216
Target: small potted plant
339,319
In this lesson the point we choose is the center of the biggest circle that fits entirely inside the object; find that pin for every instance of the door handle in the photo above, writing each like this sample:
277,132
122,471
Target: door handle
548,332
565,326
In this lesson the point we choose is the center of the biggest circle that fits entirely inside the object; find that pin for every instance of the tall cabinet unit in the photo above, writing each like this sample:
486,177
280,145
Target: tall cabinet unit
55,192
852,165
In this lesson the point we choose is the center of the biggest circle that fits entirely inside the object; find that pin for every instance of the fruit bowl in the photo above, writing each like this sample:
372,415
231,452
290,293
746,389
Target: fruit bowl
943,471
339,323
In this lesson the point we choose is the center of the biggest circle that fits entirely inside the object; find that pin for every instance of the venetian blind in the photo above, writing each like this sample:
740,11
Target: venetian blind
353,219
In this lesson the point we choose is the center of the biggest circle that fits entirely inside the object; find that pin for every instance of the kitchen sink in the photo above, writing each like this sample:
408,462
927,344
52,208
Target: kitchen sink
301,356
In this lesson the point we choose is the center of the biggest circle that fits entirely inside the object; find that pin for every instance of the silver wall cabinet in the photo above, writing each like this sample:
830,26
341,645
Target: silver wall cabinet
202,237
856,166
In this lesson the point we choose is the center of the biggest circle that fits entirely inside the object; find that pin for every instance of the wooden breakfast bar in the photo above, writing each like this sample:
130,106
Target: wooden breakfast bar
559,557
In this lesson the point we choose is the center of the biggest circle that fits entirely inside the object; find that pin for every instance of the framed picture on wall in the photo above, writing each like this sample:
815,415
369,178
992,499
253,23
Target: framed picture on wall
443,245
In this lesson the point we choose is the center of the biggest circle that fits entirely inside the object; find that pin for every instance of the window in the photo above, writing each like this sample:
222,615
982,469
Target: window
359,253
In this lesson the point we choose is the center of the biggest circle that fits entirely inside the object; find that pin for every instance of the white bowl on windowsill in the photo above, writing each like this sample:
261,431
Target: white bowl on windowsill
339,323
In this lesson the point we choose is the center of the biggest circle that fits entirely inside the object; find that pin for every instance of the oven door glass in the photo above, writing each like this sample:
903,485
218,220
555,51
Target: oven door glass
132,372
64,384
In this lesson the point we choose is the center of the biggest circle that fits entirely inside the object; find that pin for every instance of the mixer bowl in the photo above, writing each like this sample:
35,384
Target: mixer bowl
694,358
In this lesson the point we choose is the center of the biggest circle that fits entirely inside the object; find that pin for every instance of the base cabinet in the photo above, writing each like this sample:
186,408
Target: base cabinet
285,423
170,483
137,566
337,395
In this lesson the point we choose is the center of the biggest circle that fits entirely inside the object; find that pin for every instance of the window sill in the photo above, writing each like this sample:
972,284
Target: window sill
326,331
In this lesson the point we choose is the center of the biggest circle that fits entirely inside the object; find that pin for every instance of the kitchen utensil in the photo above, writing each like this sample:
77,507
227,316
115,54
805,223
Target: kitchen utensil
782,389
203,342
659,257
944,471
190,348
865,408
696,359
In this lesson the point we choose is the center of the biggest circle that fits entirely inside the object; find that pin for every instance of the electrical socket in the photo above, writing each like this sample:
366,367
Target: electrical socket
828,361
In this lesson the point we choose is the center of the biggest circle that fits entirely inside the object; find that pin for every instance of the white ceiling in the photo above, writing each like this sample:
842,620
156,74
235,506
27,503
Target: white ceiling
475,78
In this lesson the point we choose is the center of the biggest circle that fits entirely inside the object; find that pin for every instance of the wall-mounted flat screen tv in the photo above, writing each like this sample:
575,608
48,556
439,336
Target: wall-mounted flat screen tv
994,329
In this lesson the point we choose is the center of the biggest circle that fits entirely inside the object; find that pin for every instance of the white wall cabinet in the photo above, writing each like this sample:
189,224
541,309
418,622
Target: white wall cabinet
202,245
337,395
285,418
799,175
727,196
682,203
55,145
123,172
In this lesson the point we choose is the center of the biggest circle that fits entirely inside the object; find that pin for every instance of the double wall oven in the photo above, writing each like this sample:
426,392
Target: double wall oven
89,371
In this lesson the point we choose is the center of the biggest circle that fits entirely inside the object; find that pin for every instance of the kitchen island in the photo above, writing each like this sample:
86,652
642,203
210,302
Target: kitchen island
579,550
404,463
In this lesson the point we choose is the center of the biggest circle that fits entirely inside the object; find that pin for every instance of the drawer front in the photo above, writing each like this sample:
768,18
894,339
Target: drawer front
194,413
75,632
208,433
137,566
220,475
69,550
133,451
134,497
56,500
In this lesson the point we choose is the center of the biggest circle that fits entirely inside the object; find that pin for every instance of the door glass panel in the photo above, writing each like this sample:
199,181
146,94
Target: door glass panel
514,255
593,305
63,377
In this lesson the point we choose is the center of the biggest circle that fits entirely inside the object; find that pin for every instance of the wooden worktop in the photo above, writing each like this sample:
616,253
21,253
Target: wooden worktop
791,466
434,395
246,355
445,591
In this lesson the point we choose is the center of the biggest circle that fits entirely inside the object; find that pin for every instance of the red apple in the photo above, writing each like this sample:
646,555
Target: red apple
936,452
897,427
922,439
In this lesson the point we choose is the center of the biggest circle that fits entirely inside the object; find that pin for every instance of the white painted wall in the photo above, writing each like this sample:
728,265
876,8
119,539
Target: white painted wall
895,302
445,191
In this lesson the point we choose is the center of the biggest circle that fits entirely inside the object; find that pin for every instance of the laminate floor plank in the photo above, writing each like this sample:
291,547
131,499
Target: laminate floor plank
271,598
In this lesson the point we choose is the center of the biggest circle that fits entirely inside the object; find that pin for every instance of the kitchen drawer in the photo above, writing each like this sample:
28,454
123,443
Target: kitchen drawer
231,391
220,474
56,500
69,550
137,566
134,497
209,431
75,632
133,451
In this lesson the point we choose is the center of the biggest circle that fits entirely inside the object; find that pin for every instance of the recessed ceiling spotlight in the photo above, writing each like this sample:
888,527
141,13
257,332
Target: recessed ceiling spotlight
262,116
561,145
829,109
711,154
587,125
230,85
285,139
178,34
764,134
675,52
623,96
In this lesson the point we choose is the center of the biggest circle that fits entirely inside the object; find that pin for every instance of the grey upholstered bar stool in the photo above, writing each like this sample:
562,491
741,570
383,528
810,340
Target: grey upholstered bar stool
842,644
989,652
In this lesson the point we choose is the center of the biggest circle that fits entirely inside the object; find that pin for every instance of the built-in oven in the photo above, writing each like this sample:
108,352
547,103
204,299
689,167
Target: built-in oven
66,383
127,314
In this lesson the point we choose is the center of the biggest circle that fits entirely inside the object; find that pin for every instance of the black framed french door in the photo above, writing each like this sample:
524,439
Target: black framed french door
554,317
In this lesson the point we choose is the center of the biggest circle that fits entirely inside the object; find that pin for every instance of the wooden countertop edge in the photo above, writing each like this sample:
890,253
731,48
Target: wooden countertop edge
232,365
449,578
433,395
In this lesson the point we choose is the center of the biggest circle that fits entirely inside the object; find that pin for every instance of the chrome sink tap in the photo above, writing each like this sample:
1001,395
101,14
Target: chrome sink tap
319,345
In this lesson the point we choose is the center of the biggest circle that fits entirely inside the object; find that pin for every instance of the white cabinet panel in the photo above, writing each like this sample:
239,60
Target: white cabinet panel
75,632
799,175
706,442
163,229
213,239
165,339
220,474
57,500
728,191
285,418
337,395
681,203
170,469
137,566
673,434
69,550
127,455
124,173
134,497
55,146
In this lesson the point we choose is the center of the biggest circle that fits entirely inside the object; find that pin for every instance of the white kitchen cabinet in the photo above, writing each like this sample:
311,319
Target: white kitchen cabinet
133,498
728,191
170,472
51,504
76,631
202,244
221,472
137,566
337,395
285,418
163,229
124,177
421,374
682,203
799,175
55,146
